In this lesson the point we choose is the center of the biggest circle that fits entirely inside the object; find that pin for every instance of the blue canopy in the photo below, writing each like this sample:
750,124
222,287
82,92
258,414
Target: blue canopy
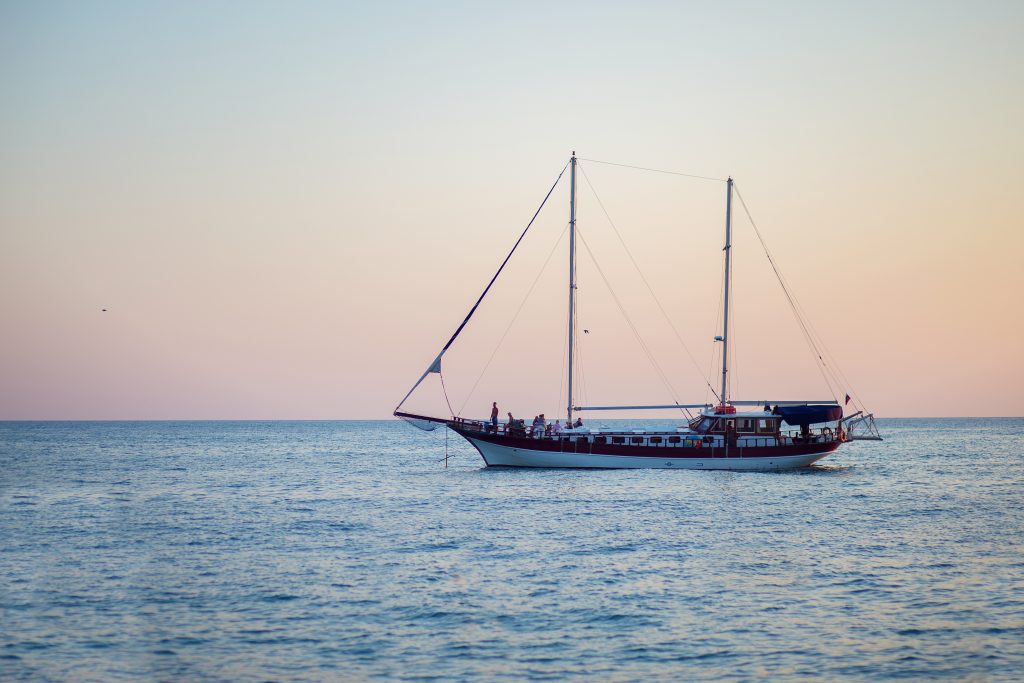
799,416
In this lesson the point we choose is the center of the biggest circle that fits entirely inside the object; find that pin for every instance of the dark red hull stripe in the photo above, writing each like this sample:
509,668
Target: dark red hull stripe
659,451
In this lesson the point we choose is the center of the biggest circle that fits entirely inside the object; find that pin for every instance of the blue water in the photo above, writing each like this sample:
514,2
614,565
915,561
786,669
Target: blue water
345,550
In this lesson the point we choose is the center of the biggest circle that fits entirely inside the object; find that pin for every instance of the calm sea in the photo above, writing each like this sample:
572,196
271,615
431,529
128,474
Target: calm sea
345,550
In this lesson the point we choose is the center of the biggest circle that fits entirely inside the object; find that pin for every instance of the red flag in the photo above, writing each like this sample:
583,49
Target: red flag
847,400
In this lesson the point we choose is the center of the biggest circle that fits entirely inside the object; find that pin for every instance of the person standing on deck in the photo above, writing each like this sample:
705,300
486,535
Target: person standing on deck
494,416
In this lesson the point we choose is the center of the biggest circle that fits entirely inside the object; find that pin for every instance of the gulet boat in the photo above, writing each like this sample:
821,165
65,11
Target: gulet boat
727,434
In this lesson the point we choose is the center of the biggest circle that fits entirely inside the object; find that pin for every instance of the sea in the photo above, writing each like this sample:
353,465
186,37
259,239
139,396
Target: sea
320,551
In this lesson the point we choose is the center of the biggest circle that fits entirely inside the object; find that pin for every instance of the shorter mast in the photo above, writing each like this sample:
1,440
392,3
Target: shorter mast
725,316
572,273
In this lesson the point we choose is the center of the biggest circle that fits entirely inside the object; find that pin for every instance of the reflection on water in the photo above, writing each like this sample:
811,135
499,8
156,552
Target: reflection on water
320,550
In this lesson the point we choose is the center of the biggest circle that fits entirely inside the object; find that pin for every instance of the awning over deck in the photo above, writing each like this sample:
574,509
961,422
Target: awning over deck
800,416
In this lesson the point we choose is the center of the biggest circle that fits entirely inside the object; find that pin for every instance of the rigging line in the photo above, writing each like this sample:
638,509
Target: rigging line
833,366
500,268
734,366
515,317
636,333
654,170
444,390
789,297
853,394
842,380
580,387
815,341
826,362
562,383
644,279
488,287
579,359
733,378
834,369
713,362
562,379
561,372
726,293
576,353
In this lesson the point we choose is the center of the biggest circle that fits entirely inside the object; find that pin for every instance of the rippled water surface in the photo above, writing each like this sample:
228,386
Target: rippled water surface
345,550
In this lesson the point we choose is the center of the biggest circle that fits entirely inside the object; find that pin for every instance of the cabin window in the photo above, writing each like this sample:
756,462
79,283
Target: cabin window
705,424
600,439
637,439
618,439
655,439
745,425
766,426
674,439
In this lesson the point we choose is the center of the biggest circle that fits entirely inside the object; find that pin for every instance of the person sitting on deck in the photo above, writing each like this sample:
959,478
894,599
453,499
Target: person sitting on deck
804,436
511,421
578,423
767,408
557,429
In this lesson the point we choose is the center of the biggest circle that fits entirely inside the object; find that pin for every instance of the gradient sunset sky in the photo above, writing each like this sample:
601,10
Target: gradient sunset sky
286,208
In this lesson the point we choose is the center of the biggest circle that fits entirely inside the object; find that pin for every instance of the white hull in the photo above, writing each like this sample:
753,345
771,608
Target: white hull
496,455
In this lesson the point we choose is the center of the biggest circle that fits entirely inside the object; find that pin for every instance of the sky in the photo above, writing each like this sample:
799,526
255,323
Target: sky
287,208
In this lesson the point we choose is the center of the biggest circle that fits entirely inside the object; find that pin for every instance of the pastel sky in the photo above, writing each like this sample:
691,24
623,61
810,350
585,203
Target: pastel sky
286,208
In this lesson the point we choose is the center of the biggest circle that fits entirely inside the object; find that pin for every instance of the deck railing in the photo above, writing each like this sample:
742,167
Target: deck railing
663,440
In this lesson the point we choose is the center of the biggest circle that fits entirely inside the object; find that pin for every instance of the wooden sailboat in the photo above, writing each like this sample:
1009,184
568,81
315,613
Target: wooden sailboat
725,435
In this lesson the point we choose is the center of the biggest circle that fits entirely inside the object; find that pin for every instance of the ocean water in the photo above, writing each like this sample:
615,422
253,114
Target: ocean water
346,551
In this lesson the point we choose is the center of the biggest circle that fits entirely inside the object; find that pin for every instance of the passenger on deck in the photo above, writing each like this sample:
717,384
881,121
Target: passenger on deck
539,430
767,408
511,421
578,423
494,416
557,429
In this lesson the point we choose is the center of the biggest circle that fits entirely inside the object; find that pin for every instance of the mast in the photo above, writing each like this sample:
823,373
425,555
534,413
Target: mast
725,317
572,273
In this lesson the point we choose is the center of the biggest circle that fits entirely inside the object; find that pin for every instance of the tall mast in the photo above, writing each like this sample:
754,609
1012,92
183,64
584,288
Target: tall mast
725,316
572,273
